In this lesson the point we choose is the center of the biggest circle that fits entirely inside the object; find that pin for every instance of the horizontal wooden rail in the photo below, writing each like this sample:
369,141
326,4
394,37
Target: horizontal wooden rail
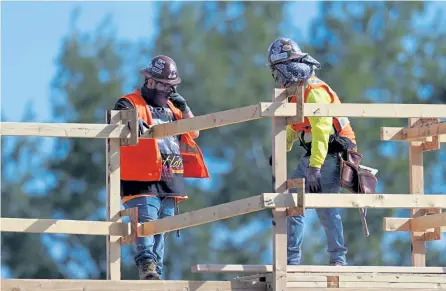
220,268
222,118
126,285
373,110
334,200
415,224
68,130
202,216
405,134
64,226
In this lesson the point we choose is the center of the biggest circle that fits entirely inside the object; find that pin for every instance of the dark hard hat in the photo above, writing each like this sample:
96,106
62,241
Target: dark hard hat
162,69
282,50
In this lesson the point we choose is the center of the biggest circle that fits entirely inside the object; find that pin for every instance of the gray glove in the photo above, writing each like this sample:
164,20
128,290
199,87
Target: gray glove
142,126
314,179
179,101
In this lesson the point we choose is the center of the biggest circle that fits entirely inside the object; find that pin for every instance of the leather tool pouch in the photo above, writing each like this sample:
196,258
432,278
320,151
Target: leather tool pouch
353,178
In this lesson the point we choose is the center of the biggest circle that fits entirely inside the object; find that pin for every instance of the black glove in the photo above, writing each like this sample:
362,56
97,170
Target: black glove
271,160
142,126
179,101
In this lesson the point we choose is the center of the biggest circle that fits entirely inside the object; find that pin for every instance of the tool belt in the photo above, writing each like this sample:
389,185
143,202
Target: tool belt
353,178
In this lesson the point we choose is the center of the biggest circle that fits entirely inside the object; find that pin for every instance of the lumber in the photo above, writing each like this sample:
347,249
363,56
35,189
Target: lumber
220,268
68,130
401,224
125,285
416,186
421,223
113,198
412,133
201,216
132,237
297,91
222,118
374,110
334,200
357,277
279,172
28,225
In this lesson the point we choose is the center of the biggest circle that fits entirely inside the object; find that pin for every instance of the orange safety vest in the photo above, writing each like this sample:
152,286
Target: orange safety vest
142,162
341,124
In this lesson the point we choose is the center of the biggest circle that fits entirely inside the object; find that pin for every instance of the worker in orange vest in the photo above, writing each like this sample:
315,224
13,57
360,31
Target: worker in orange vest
153,171
321,137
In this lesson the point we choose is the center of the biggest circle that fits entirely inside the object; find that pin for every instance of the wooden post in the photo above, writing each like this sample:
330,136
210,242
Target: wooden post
113,200
416,175
279,171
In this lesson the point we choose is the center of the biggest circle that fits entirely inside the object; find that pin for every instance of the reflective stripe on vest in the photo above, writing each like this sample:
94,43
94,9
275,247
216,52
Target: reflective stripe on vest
142,162
341,124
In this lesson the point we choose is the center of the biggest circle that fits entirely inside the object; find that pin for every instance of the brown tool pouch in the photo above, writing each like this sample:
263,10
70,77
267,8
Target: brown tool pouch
353,178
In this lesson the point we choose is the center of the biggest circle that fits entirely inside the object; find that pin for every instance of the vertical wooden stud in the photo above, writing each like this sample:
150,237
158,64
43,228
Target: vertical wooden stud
416,174
113,198
279,169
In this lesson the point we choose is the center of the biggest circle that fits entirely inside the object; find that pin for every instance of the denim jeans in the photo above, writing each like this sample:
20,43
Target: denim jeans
151,249
329,218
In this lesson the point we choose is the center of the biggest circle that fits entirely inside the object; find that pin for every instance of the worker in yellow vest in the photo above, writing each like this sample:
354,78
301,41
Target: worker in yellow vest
321,137
153,171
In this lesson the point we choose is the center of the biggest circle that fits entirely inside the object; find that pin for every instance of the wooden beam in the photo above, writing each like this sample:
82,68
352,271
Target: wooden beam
374,110
421,223
297,91
220,268
132,237
402,224
126,285
416,183
113,197
279,172
28,225
219,119
201,216
334,200
69,130
407,133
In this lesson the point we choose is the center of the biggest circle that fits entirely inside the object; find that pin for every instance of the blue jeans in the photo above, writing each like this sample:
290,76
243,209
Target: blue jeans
329,218
151,248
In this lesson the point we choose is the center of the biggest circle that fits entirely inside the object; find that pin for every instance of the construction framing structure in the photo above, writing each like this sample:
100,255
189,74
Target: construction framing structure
425,132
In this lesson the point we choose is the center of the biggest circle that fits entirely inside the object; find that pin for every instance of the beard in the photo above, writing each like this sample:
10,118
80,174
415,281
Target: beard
156,97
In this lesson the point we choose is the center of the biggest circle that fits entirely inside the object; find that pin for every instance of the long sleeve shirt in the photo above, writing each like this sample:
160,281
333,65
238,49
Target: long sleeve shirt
321,128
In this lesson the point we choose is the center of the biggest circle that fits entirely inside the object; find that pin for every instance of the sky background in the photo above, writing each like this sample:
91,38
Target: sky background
32,34
29,52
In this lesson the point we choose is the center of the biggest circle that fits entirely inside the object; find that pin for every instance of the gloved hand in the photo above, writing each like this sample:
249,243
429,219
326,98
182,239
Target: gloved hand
142,126
314,179
179,101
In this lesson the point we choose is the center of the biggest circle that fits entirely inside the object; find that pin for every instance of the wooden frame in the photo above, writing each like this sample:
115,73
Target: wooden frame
424,133
220,268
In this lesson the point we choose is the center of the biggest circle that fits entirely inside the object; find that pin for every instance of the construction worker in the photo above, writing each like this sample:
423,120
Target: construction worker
153,172
321,137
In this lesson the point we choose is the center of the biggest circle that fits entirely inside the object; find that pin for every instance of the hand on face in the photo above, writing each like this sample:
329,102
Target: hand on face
158,92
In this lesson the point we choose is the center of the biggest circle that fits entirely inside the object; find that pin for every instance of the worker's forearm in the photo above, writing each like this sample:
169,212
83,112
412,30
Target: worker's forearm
189,114
320,130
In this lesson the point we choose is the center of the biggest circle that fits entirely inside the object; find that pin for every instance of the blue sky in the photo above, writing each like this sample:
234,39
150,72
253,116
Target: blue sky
31,47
